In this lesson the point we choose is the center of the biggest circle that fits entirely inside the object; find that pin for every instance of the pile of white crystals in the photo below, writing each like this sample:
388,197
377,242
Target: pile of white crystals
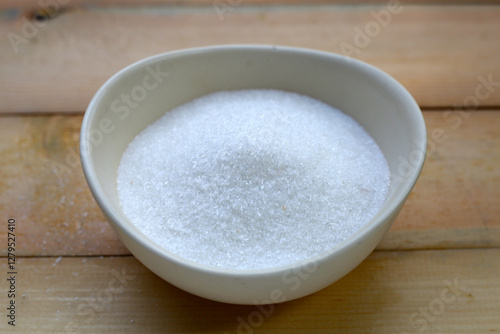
252,179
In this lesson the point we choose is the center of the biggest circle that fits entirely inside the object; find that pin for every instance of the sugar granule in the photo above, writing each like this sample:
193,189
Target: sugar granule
252,179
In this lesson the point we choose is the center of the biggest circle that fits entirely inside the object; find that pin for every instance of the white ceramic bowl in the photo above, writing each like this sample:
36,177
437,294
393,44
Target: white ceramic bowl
141,93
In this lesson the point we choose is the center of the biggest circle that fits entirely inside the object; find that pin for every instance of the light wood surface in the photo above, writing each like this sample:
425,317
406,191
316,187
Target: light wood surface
37,4
437,52
390,292
448,233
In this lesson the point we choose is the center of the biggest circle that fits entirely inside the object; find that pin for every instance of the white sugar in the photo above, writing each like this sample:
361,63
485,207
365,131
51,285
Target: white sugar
252,179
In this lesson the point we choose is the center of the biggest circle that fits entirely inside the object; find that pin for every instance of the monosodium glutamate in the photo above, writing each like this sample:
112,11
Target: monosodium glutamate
252,179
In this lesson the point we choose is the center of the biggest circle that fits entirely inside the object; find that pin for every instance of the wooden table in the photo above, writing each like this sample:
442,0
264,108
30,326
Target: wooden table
436,271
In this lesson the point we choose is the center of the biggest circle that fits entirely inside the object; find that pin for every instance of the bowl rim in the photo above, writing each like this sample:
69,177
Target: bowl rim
356,238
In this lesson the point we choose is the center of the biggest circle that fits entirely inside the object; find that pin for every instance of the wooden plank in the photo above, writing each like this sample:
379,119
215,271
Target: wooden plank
454,204
453,291
37,4
437,52
456,198
44,190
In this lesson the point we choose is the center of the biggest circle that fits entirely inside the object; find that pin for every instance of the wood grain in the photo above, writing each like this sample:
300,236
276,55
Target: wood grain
44,189
390,292
454,204
36,4
455,200
437,52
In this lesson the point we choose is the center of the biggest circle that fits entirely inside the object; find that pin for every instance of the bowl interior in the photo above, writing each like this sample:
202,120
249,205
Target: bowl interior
143,92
